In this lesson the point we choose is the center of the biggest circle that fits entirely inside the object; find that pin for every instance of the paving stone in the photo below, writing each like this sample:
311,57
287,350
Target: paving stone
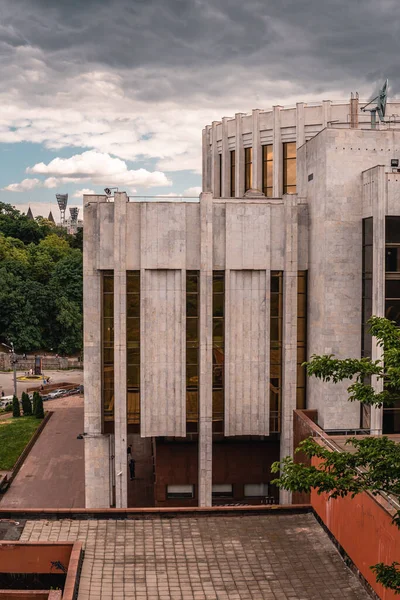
271,557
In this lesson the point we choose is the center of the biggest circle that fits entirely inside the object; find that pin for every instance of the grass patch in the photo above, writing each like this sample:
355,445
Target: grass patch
14,436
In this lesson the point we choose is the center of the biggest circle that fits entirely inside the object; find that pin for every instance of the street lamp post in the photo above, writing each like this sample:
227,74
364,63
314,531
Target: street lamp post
14,363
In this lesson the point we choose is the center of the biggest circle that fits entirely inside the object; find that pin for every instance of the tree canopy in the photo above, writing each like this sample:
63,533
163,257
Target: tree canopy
373,465
40,284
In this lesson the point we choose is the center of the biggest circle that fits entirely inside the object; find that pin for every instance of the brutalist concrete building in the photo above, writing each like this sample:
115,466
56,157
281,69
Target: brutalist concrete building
199,313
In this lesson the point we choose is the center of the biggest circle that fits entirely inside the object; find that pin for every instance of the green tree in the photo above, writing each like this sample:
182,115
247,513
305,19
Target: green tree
15,407
39,412
26,404
373,465
34,402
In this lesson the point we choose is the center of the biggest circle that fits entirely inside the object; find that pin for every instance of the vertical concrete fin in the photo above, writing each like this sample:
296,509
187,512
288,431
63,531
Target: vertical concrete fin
205,392
289,349
120,388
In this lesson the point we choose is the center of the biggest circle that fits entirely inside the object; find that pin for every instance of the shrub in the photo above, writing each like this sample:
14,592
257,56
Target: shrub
26,404
15,407
39,412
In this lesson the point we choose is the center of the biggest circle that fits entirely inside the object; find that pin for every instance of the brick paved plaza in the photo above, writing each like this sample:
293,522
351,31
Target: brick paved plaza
272,557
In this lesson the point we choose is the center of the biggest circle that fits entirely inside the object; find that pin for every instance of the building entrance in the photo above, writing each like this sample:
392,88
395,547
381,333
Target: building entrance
141,488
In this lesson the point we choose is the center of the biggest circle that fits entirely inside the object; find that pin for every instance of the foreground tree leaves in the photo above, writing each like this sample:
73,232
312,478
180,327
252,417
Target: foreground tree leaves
372,464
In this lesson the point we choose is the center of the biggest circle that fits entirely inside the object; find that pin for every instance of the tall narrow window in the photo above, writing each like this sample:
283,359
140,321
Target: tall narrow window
233,173
248,169
289,168
218,350
301,338
268,162
108,346
275,382
391,416
220,174
192,350
133,345
366,339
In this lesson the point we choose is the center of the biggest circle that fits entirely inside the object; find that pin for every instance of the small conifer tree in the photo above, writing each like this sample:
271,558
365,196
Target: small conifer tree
34,402
26,404
39,412
15,407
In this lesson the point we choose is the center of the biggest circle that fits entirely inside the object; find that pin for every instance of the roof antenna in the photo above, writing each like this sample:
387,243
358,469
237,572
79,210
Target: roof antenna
380,108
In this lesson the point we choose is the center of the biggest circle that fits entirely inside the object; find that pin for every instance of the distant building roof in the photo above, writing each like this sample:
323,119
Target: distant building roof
29,214
51,218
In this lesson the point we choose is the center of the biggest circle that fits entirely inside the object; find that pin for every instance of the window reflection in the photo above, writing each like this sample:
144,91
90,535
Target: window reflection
275,382
133,346
232,173
301,338
192,350
268,170
218,350
289,168
248,169
108,345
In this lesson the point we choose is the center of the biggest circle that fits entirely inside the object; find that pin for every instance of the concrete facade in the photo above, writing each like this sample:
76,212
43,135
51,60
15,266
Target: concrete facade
343,177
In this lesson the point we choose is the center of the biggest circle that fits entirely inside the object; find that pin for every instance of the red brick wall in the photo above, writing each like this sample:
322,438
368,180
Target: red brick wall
236,462
364,529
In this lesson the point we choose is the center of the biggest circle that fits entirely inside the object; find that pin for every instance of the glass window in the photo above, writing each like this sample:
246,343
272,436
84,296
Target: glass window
133,346
248,169
268,162
192,350
253,490
275,375
218,347
392,230
180,491
108,346
301,338
366,307
392,259
233,173
222,490
289,168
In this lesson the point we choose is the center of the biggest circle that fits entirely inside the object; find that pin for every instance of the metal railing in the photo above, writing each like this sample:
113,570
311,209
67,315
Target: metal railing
163,199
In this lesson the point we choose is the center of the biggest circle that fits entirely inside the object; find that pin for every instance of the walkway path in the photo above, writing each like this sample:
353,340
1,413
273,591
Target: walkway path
53,474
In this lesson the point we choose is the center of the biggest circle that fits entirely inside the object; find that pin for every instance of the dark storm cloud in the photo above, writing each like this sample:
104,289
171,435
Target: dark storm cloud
308,42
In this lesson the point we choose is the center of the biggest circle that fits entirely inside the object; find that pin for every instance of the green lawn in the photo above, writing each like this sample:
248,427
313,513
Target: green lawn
14,436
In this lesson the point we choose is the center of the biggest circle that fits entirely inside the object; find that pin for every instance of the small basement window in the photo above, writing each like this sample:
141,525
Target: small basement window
252,490
180,491
222,490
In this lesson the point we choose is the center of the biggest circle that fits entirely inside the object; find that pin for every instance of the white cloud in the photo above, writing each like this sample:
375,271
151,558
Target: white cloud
193,191
82,192
23,186
99,168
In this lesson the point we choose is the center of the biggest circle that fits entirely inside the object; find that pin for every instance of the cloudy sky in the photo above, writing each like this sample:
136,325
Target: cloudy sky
97,93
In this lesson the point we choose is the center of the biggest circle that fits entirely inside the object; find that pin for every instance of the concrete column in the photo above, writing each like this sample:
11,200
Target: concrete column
215,171
379,209
239,157
120,395
97,480
206,159
300,125
326,112
257,151
205,392
277,179
289,349
226,163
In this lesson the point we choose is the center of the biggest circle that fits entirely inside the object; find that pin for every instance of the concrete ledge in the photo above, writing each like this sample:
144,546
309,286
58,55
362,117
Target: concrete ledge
151,513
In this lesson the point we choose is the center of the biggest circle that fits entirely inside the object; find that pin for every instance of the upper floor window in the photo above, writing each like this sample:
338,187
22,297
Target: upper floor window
268,158
233,174
289,168
248,169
